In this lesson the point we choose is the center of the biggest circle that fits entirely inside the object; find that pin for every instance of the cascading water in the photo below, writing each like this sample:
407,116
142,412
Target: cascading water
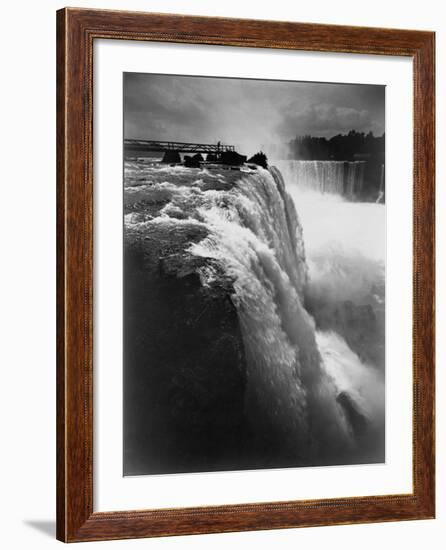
345,252
258,240
310,398
345,179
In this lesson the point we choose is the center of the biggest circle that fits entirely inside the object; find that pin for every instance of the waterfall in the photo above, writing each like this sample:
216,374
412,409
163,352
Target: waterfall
307,400
345,253
341,178
291,400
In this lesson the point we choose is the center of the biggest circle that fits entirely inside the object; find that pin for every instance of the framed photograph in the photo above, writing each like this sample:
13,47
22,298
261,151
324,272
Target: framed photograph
245,217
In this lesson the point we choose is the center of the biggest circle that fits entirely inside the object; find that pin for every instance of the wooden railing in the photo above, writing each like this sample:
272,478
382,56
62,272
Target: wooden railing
143,146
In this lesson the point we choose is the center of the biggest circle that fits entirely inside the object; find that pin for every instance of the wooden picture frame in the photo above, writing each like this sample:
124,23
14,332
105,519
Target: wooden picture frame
77,29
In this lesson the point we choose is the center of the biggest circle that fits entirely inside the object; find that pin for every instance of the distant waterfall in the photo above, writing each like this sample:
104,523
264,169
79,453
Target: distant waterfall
345,179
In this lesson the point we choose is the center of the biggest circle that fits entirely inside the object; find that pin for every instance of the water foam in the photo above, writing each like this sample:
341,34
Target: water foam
298,375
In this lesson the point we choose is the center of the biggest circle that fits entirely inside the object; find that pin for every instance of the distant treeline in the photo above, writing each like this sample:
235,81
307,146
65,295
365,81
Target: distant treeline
340,147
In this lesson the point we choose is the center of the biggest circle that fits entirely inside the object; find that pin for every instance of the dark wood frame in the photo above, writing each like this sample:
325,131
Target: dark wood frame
76,31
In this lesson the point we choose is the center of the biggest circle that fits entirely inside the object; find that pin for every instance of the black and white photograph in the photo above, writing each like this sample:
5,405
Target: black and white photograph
254,274
223,275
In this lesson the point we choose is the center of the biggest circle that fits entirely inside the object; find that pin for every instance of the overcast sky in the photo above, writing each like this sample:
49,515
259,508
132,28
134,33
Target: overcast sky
245,113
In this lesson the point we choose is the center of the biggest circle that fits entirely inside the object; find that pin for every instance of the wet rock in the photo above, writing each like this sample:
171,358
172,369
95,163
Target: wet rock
260,159
232,157
193,162
171,157
357,421
185,367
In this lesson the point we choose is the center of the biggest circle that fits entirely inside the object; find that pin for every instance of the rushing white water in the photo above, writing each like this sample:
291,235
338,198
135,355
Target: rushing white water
345,252
308,392
258,239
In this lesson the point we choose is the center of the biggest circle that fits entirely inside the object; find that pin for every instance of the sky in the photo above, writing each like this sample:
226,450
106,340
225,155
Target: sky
246,113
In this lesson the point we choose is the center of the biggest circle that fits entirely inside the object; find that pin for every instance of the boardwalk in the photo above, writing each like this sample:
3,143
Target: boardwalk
141,146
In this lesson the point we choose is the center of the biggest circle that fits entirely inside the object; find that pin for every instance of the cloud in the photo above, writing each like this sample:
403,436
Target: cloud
324,119
244,112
